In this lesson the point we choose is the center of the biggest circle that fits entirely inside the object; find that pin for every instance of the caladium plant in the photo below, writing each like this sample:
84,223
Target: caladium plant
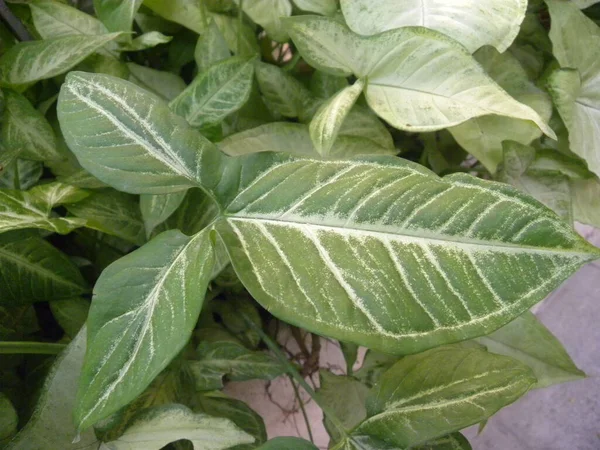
180,179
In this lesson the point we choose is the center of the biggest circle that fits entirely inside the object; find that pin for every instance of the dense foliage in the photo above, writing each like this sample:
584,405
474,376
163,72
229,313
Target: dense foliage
181,179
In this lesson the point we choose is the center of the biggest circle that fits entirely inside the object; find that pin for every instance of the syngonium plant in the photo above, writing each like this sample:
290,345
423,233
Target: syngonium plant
402,176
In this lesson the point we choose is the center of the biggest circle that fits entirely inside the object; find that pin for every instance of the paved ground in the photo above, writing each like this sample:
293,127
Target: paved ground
562,417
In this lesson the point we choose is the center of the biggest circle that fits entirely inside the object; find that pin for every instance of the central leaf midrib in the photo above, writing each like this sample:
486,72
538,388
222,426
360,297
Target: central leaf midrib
448,239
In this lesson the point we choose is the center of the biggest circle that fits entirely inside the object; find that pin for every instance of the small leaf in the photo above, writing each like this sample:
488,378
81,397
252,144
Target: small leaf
32,270
586,201
211,48
454,441
112,212
188,13
216,93
324,7
268,14
529,341
32,61
146,41
158,208
472,23
373,366
155,428
26,131
240,38
165,84
324,85
117,15
8,420
350,352
440,391
25,175
287,443
328,120
149,300
71,314
283,93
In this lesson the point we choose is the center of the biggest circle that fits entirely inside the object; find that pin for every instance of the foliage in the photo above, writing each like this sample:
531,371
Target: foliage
179,179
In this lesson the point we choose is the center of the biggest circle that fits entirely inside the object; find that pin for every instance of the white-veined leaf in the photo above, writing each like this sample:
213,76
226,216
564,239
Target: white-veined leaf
328,120
214,94
23,176
426,396
283,93
576,93
145,307
471,22
166,84
158,208
32,61
210,48
153,429
416,79
412,260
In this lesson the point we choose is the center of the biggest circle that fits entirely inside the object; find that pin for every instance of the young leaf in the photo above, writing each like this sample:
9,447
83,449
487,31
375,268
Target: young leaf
283,93
32,270
51,425
26,131
112,212
472,23
239,37
225,358
163,153
166,84
117,15
440,391
155,428
482,136
188,13
446,259
416,79
211,48
146,41
287,443
32,61
328,120
529,341
268,14
71,314
158,208
216,93
144,309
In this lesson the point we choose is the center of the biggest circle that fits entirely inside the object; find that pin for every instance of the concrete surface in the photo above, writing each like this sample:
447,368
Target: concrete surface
561,417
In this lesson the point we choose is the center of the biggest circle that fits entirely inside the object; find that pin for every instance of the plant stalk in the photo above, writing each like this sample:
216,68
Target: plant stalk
35,348
13,22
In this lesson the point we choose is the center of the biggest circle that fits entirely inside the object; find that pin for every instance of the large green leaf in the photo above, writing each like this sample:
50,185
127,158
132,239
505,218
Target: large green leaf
155,428
226,358
51,425
214,94
26,131
440,391
166,84
158,208
472,23
575,40
482,136
189,13
416,79
32,61
128,137
144,309
32,270
412,260
529,341
112,212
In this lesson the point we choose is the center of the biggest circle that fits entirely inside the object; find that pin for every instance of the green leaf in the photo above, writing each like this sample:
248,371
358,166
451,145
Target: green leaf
112,212
51,425
283,93
155,428
380,235
345,397
226,358
163,153
216,93
117,15
295,138
71,314
32,270
21,174
145,307
239,36
328,120
28,62
188,13
417,79
529,341
26,131
211,48
373,366
146,41
350,352
165,84
586,201
440,391
324,7
482,136
287,443
575,39
454,441
158,208
33,208
472,23
324,85
268,14
196,212
8,420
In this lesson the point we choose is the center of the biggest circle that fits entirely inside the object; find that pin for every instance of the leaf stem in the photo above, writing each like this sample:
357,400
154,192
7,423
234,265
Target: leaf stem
301,403
38,348
14,23
299,378
17,181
